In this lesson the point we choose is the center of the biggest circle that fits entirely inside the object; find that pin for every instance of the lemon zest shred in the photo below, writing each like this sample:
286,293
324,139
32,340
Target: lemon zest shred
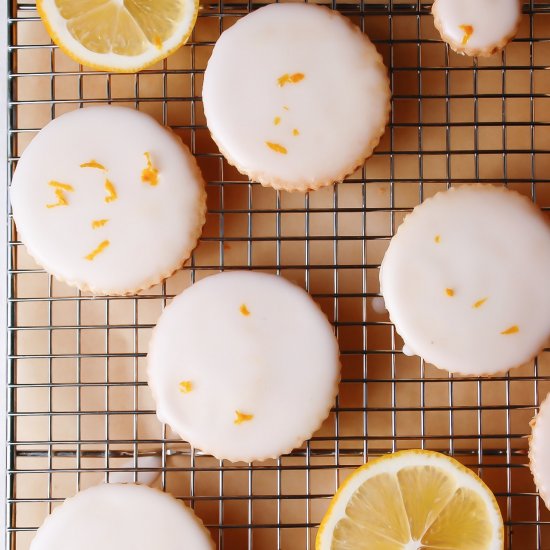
277,120
110,188
449,292
59,190
514,329
93,164
149,174
479,303
468,30
437,239
59,185
244,310
293,78
295,132
185,386
241,417
278,148
284,79
61,199
98,250
96,224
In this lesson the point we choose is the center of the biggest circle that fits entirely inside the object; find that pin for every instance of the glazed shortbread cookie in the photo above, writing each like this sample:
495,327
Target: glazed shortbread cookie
295,96
539,451
244,366
108,200
115,516
465,280
477,27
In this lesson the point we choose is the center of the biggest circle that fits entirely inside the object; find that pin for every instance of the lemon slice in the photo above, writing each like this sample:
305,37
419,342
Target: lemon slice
412,500
118,35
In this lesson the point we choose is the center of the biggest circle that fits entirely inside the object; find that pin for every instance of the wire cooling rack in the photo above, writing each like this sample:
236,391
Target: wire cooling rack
79,410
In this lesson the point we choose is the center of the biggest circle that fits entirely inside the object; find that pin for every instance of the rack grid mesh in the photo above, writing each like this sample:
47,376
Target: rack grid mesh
79,410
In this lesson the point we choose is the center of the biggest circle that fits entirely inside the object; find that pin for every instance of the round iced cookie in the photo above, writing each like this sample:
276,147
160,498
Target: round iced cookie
465,280
295,96
108,200
243,366
477,27
539,451
115,516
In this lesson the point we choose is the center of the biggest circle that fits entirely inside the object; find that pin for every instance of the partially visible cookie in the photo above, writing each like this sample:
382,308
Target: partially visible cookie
539,451
243,366
477,27
465,280
296,96
108,200
114,516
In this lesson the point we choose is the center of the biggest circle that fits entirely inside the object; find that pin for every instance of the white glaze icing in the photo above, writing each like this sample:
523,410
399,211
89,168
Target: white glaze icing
492,22
248,342
408,351
494,244
539,451
378,305
149,470
340,107
115,516
151,229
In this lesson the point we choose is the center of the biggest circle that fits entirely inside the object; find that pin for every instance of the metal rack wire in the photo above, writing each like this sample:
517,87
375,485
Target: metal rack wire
77,401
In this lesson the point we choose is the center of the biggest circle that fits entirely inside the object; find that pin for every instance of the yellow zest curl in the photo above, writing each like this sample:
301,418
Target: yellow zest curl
93,164
185,386
295,132
244,310
60,189
512,330
277,120
290,79
61,199
96,224
449,292
98,250
110,188
241,417
276,147
468,30
149,174
59,185
479,303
